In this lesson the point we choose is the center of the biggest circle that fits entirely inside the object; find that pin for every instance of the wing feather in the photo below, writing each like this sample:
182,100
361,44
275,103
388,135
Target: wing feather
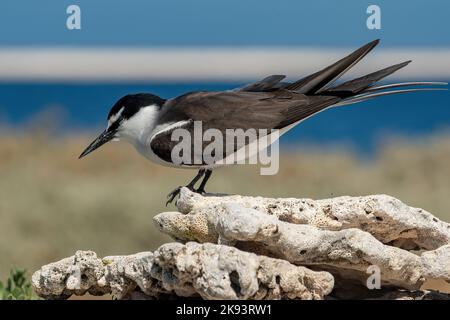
233,110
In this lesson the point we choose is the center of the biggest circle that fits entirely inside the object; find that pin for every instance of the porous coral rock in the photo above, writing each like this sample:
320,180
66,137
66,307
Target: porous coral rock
336,251
208,271
386,218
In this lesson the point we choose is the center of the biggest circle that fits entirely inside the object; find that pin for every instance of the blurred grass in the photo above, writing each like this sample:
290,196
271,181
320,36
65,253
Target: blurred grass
17,286
52,204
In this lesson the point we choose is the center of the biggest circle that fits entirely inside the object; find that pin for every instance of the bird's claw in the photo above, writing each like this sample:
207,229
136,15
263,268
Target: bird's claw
175,192
172,195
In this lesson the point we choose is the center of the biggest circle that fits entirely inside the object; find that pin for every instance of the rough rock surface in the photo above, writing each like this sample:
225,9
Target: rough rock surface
386,218
208,271
238,247
348,249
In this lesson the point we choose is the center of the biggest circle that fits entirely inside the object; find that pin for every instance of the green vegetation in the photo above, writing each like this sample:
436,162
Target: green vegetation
17,287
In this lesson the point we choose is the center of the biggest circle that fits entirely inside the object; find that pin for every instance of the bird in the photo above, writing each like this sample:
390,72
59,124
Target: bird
148,121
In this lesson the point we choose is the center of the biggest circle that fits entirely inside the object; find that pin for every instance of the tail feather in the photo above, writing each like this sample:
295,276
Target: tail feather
404,84
363,88
320,84
358,85
318,81
364,97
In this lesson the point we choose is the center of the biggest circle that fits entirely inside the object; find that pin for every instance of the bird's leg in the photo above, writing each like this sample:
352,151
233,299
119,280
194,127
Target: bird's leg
190,186
201,188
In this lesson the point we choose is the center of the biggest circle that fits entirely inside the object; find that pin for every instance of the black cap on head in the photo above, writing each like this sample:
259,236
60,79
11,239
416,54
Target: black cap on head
131,104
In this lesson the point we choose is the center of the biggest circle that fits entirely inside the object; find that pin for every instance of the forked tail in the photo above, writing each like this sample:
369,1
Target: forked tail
365,88
356,90
359,89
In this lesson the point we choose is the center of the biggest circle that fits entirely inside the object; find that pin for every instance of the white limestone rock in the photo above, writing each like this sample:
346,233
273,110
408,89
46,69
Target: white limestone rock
388,219
208,271
346,252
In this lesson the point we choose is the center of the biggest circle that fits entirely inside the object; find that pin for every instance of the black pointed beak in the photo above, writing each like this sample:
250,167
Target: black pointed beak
103,138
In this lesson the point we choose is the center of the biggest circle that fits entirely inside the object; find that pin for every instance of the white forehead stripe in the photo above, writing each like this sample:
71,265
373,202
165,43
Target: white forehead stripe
114,117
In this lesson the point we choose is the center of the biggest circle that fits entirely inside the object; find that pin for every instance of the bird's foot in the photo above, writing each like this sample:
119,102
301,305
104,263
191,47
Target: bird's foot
175,192
172,195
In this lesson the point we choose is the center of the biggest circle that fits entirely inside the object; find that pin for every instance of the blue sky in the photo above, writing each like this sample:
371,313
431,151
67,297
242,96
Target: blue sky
223,23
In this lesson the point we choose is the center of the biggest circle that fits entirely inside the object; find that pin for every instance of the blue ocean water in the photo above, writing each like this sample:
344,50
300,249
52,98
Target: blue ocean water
361,125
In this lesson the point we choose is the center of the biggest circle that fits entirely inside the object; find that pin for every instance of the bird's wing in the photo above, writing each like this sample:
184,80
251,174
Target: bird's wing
318,81
315,82
232,110
324,78
270,103
267,84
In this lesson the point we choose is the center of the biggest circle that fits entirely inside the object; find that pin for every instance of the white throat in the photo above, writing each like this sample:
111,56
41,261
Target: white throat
139,130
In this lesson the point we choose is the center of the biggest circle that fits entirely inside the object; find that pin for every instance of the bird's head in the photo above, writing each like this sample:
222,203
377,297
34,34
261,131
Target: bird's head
129,116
